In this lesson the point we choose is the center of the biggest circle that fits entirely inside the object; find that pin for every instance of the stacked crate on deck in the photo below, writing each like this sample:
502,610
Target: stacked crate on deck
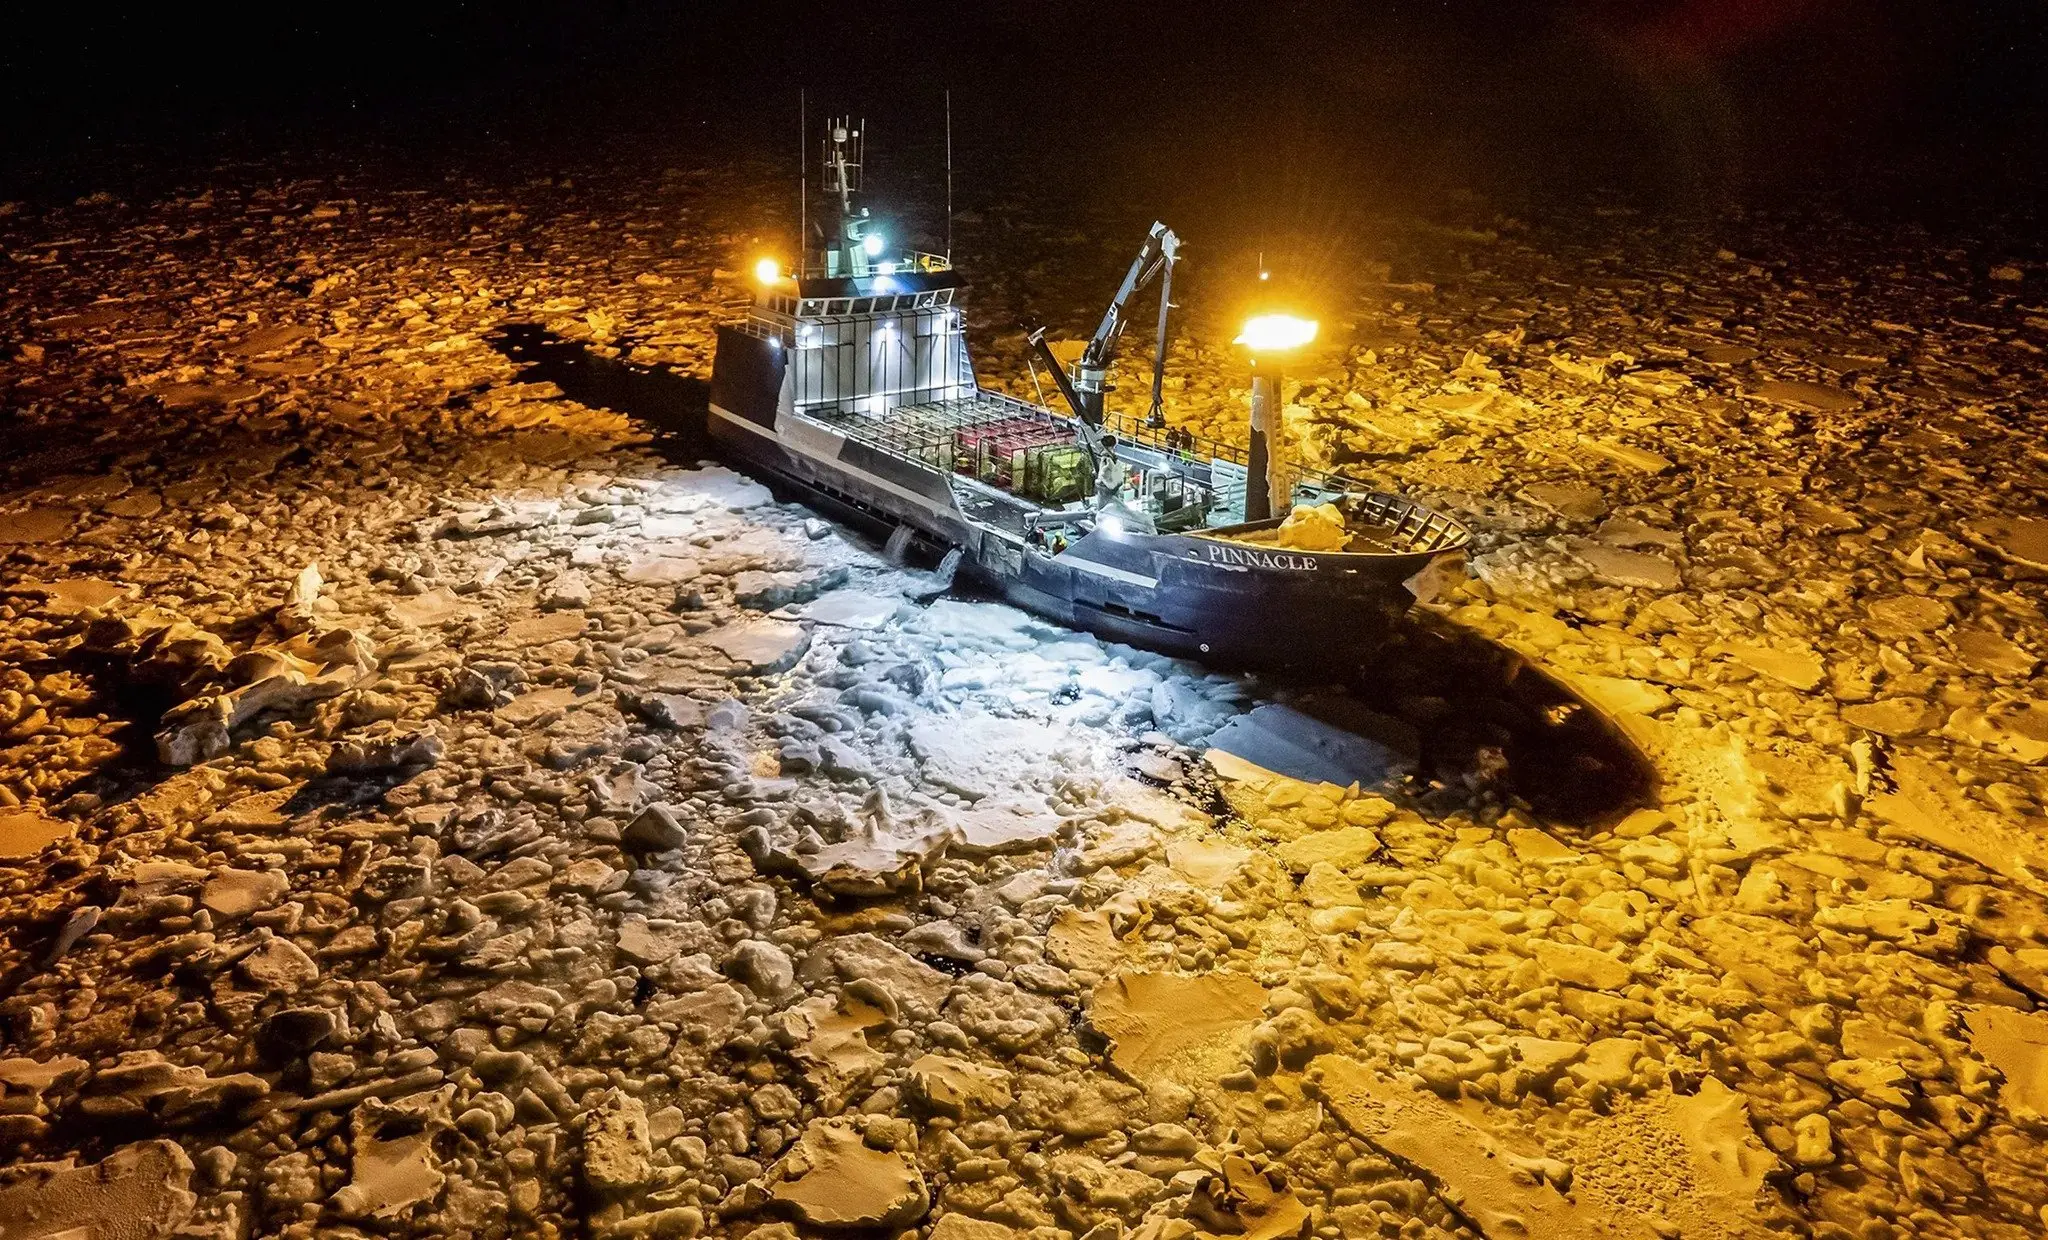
1032,457
994,451
921,433
1057,473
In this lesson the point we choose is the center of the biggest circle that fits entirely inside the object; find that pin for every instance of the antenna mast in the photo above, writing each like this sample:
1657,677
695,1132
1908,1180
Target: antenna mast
803,181
949,178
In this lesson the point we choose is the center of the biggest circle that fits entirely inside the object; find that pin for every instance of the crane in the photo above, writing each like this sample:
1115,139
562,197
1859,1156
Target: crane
1084,388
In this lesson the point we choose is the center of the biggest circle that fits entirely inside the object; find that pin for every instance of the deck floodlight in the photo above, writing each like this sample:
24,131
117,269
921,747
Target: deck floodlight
1276,333
767,271
873,244
1270,338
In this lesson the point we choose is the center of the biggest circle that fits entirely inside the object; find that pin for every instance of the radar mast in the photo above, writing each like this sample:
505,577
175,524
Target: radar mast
856,240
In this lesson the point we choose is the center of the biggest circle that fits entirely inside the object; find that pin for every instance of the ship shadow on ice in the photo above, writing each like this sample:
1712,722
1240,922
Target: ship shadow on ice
1488,721
672,405
675,407
1450,720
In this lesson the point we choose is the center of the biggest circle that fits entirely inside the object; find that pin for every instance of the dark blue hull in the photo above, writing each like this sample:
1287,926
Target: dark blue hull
1223,602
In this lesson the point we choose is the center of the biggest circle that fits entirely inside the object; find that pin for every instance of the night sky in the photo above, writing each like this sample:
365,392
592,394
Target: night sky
1669,103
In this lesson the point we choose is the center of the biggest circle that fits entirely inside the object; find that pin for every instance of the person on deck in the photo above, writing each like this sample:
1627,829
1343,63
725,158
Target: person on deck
1109,475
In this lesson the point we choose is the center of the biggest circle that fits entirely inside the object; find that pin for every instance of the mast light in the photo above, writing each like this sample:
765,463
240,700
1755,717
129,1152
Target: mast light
1276,333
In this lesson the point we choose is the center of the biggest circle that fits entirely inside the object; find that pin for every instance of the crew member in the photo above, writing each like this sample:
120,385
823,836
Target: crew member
1109,474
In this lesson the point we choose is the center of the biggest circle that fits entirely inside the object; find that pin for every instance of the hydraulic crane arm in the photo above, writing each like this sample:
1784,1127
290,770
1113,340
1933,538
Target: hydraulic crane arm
1084,388
1088,433
1155,414
1036,339
1059,374
1160,250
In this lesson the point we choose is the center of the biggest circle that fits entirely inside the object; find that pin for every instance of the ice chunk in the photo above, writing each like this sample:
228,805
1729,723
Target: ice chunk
1005,827
2016,1043
1317,528
869,862
1429,1133
659,568
37,525
762,645
1184,711
853,609
1576,501
73,594
395,1167
1166,1026
1641,459
832,1179
432,609
1349,746
979,755
1801,669
24,833
716,486
541,630
1815,396
1616,567
958,1087
1900,716
2016,729
983,624
2023,540
138,1190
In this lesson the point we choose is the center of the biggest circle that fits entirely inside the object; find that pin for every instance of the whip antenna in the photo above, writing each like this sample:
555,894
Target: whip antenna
949,178
803,180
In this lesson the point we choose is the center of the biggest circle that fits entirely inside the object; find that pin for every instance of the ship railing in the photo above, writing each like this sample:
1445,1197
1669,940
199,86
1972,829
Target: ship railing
1411,527
765,327
1006,405
1127,427
907,261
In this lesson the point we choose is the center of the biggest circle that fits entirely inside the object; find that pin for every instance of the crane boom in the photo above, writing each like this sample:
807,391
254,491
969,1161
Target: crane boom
1084,388
1155,414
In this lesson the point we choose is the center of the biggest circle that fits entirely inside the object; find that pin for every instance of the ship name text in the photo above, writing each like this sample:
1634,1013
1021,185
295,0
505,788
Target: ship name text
1253,557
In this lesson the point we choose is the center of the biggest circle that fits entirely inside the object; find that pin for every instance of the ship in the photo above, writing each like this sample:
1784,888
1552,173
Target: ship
849,383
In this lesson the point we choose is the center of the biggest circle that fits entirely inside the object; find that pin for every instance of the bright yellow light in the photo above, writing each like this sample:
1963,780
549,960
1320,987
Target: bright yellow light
1275,333
767,271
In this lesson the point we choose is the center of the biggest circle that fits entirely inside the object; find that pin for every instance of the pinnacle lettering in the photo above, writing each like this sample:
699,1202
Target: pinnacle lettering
1253,557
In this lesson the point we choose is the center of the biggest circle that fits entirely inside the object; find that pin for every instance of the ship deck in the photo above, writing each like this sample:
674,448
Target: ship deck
997,509
962,435
950,434
978,438
919,430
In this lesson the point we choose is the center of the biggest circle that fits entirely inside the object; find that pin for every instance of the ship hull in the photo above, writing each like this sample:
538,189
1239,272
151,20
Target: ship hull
1200,619
1224,603
853,494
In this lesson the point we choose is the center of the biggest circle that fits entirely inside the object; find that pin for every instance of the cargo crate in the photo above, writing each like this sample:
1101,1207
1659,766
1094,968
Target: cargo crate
1056,474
